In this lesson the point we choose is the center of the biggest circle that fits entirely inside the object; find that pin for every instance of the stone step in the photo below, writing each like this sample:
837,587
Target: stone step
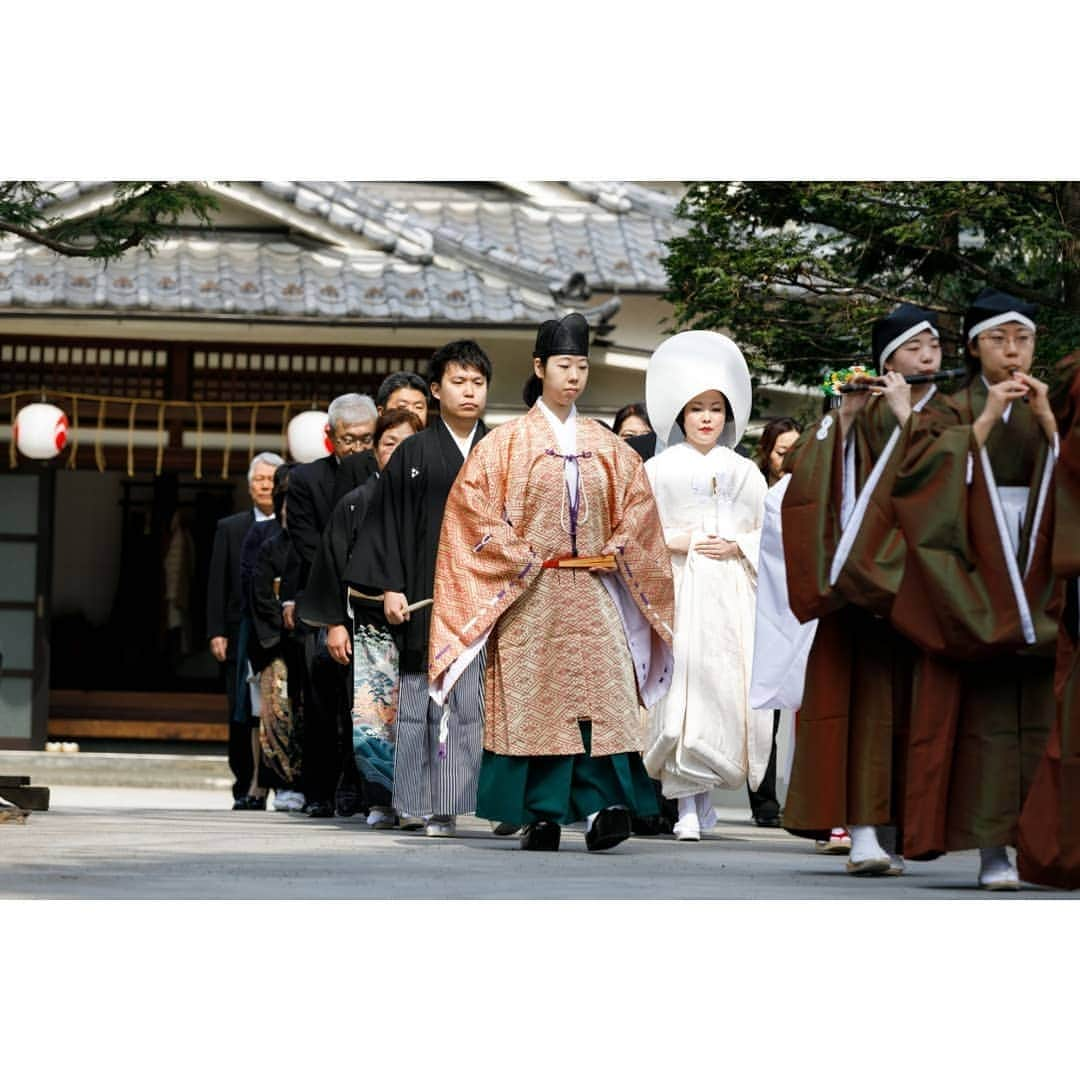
87,769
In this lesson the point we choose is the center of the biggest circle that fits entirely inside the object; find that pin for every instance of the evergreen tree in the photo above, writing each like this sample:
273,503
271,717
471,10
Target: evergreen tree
796,272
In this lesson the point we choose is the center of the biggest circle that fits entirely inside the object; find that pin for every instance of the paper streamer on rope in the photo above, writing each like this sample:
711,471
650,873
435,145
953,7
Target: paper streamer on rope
228,443
40,431
160,440
315,441
251,431
99,448
74,452
131,441
198,441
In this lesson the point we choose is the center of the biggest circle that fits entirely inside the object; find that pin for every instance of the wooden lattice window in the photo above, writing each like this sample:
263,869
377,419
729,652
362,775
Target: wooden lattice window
223,373
123,369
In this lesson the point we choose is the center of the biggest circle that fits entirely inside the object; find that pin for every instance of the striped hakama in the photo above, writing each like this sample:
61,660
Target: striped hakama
424,783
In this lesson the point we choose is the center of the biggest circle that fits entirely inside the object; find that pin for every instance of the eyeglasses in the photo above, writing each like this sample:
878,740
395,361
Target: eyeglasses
354,440
1025,339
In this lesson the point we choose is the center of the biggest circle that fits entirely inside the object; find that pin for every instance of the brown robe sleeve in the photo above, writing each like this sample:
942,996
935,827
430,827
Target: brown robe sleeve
810,518
871,573
959,596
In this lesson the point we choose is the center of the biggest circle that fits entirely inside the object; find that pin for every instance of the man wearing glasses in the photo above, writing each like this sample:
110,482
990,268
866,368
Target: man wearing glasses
314,489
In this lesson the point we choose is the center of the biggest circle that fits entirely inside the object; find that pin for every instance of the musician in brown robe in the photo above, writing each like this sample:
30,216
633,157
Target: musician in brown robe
840,545
1048,851
977,596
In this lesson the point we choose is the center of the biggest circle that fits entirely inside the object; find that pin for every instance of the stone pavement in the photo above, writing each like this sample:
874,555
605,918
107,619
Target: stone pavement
160,843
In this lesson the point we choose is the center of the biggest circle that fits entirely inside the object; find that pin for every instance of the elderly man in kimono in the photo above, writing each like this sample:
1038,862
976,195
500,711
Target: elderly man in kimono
978,595
330,779
1048,851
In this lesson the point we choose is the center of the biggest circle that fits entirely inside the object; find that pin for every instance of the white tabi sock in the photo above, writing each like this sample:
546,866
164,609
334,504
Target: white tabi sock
864,844
688,817
705,810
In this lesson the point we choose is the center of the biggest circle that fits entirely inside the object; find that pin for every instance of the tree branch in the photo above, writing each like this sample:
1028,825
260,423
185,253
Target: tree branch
73,250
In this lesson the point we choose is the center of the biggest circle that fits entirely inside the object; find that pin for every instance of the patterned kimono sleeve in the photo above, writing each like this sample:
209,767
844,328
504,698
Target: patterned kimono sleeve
483,565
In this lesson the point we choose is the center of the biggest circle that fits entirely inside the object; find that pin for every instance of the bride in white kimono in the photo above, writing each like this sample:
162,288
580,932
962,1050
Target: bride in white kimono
704,734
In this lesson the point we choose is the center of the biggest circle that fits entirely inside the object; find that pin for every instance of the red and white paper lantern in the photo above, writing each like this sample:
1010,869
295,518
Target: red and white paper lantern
307,436
41,431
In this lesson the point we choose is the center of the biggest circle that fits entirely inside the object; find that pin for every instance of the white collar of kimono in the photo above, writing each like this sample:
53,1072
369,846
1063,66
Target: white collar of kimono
565,433
686,365
566,437
1008,408
464,444
260,516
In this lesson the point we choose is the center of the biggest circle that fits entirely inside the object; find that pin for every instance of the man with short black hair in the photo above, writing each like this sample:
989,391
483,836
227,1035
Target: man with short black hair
403,390
436,764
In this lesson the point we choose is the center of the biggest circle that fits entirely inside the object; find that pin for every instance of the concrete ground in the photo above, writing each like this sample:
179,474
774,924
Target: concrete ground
163,843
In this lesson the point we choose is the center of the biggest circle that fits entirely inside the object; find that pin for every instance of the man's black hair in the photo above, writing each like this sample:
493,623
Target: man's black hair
464,352
395,381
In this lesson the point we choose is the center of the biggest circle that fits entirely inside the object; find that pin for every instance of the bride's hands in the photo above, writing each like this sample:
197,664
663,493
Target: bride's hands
714,547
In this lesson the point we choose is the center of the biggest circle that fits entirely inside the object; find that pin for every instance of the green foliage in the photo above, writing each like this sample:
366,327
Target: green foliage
797,272
141,214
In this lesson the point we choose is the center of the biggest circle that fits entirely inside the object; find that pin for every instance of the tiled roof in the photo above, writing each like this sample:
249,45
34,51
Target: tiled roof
619,248
623,198
448,254
261,278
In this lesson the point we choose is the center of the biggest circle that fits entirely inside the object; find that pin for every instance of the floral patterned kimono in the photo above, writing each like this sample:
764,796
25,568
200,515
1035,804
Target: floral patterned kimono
569,651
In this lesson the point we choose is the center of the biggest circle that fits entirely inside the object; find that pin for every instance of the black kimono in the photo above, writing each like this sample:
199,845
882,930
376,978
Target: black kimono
314,490
325,603
324,599
402,530
436,754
